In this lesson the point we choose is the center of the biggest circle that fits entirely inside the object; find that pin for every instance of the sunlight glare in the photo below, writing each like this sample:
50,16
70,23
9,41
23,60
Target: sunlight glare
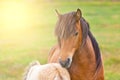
14,16
18,22
17,19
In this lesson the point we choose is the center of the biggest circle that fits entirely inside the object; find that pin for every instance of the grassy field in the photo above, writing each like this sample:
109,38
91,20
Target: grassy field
28,38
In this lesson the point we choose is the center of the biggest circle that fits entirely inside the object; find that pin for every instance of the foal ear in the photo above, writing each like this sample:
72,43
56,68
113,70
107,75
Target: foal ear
58,14
78,14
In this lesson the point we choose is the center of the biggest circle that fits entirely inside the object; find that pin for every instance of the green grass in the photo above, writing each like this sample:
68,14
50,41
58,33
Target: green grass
35,42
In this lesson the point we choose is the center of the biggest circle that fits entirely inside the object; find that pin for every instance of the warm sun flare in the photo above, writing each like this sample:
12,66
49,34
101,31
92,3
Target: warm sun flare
16,17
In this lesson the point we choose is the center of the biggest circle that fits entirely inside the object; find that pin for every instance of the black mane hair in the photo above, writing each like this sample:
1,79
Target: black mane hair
96,49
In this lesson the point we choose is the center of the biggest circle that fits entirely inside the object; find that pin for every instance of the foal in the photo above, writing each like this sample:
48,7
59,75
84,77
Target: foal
52,71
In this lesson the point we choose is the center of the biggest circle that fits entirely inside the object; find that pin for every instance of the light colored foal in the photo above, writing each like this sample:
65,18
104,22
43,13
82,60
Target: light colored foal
51,71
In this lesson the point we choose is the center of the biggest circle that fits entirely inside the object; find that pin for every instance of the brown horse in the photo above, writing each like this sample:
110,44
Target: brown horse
77,50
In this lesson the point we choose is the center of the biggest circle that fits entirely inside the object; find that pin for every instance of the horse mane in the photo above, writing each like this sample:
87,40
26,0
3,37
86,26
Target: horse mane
94,44
96,49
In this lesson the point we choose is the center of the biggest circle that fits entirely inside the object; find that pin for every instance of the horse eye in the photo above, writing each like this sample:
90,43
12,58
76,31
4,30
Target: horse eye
76,33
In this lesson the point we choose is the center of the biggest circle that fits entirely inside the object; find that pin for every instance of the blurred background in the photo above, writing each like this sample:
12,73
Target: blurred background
27,32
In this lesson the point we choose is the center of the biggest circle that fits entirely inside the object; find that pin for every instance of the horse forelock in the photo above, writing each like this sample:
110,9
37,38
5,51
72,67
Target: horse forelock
65,25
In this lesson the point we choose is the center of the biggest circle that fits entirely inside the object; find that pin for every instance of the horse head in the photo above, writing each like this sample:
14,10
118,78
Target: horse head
71,32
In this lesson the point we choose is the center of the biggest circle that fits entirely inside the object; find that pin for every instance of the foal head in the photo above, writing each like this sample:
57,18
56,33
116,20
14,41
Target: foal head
69,30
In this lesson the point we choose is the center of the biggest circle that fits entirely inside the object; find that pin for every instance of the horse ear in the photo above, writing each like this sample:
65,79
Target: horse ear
58,14
78,14
85,29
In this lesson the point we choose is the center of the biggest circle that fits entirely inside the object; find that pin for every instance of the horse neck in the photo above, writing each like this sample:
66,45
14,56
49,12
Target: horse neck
84,62
86,50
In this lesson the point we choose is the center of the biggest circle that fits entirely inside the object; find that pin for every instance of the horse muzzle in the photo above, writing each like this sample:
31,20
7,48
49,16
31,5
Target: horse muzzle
66,63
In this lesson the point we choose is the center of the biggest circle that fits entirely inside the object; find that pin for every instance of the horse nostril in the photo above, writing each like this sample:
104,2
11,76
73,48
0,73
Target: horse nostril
65,63
68,60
